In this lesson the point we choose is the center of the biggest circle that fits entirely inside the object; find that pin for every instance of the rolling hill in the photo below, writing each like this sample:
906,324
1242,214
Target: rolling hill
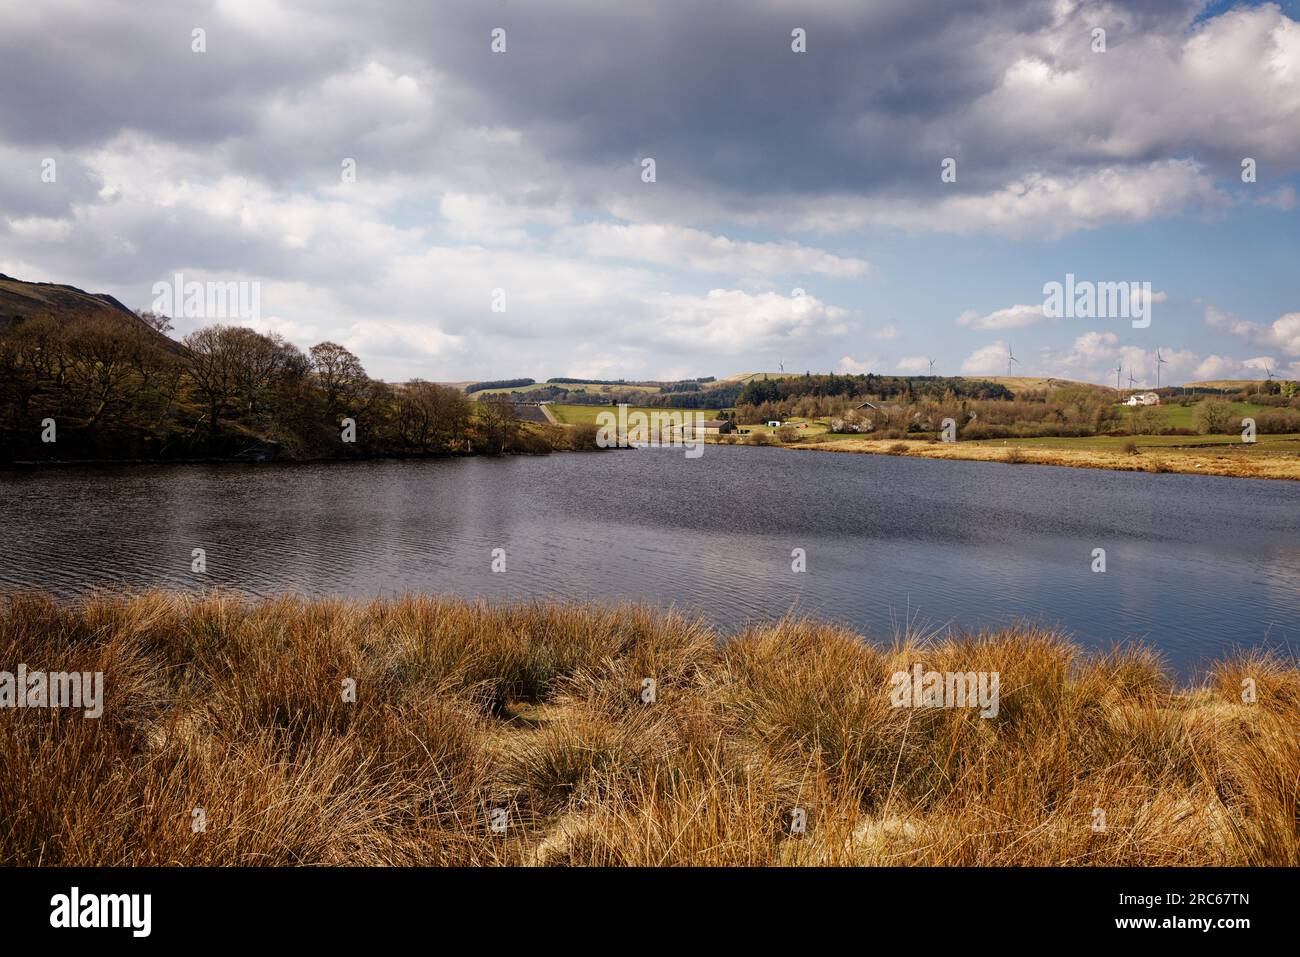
1234,384
1027,383
1014,383
20,301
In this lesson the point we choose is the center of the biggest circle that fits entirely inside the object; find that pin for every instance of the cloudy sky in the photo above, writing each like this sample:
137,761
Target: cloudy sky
798,214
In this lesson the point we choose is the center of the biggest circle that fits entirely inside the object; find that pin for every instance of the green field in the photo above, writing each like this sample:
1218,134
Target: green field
586,414
1169,416
1173,416
812,427
1278,443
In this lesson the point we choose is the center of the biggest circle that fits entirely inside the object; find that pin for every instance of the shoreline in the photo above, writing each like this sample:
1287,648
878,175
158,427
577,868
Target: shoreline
1282,467
1182,460
32,466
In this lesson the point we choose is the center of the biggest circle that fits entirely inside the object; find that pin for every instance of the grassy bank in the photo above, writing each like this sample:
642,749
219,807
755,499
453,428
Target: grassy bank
1271,457
238,708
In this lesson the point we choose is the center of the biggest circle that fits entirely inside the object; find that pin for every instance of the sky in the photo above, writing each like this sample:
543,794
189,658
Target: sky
900,190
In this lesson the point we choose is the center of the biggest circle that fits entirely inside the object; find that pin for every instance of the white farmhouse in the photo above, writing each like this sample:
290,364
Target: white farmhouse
1143,398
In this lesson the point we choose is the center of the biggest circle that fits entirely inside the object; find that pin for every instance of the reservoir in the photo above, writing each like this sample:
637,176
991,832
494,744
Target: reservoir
1194,565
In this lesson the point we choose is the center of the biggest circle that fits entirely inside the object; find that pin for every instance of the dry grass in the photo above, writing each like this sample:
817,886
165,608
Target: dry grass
237,707
1235,461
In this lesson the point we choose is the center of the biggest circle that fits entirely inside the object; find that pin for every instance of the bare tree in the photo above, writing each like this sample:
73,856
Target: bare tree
432,418
155,320
260,362
45,349
100,367
498,423
340,375
211,364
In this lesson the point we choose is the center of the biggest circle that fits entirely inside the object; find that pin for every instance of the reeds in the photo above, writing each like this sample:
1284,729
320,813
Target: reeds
779,745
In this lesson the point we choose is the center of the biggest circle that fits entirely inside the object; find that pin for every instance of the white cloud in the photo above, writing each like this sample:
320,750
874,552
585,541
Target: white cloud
1216,367
1036,205
1094,357
1153,92
471,178
1096,345
848,364
494,220
987,360
685,248
1283,198
1226,367
41,229
731,321
1283,333
1012,317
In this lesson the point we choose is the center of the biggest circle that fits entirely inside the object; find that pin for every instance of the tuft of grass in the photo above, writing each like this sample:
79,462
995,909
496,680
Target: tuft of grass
542,713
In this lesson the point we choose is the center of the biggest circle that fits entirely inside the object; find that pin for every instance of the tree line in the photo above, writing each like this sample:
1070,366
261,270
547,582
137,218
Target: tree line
903,389
110,387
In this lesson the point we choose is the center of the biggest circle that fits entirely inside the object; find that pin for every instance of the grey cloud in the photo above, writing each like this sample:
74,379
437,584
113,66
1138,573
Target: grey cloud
711,90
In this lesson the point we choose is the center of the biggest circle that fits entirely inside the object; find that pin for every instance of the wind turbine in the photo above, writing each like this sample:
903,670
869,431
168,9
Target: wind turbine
781,365
1131,381
1010,359
1159,362
1268,373
931,367
1118,369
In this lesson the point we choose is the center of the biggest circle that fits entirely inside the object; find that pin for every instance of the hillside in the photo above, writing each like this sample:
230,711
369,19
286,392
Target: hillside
20,301
740,378
82,378
1234,384
1013,383
1023,383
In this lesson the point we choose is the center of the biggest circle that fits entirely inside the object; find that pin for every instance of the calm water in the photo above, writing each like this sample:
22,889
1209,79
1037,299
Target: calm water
1195,564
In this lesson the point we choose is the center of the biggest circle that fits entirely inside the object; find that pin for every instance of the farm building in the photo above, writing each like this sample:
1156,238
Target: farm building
692,430
1143,398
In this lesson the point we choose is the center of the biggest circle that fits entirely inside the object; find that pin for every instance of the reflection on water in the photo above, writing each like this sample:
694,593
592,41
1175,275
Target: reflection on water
1195,564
